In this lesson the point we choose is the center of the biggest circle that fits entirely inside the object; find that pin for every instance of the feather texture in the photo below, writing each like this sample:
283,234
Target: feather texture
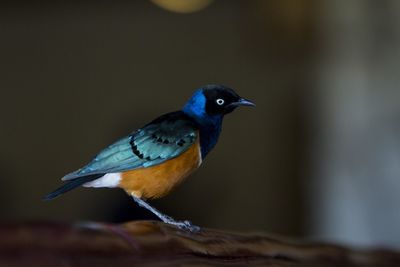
69,185
164,138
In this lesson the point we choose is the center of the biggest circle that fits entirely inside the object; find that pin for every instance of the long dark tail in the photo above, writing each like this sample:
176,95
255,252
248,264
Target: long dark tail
72,184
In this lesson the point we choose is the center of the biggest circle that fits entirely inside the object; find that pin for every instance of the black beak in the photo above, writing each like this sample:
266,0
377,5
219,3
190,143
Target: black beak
244,102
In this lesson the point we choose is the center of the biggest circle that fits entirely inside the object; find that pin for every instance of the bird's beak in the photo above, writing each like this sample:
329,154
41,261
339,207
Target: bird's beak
244,102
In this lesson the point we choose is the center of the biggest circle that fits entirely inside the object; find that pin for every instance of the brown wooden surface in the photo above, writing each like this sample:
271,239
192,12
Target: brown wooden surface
145,243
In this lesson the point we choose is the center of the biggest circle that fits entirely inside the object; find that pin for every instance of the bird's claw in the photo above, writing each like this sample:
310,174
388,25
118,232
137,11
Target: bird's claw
188,226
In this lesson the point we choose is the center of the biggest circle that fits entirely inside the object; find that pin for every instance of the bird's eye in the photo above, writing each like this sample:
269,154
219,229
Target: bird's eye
220,101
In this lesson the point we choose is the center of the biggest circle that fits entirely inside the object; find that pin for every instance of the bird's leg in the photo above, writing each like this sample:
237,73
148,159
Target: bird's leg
187,225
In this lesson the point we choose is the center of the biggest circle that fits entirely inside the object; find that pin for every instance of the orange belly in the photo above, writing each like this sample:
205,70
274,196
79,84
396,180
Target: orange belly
159,180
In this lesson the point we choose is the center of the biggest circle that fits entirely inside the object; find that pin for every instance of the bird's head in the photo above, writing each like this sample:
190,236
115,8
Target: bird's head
213,102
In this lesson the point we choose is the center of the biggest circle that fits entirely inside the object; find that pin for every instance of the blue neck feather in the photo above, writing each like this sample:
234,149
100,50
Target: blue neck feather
209,126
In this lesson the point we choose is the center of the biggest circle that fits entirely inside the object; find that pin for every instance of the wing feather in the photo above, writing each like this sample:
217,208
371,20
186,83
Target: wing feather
165,138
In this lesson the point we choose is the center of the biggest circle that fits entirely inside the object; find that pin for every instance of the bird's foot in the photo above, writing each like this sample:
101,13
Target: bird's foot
187,225
184,225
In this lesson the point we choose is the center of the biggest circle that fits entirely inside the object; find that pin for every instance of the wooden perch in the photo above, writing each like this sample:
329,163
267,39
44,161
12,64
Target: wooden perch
144,243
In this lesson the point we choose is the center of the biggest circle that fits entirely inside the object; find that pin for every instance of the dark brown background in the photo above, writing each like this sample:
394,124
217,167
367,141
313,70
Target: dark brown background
76,76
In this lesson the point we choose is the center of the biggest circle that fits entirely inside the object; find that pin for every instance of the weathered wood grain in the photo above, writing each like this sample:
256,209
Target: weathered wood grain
147,243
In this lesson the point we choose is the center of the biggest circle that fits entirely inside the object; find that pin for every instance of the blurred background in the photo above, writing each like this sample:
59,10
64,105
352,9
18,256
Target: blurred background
318,158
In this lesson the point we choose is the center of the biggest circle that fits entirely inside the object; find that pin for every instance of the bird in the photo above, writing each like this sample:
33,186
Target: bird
151,161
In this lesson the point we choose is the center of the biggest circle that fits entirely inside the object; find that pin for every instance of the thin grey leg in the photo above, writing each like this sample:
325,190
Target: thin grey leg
187,225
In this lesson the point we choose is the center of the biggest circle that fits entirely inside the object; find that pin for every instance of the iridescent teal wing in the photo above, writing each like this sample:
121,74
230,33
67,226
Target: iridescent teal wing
164,138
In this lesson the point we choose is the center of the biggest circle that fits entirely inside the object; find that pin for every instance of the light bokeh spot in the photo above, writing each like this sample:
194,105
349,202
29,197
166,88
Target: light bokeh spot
182,6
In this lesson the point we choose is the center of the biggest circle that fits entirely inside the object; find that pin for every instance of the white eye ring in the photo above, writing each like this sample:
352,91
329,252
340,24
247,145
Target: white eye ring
220,101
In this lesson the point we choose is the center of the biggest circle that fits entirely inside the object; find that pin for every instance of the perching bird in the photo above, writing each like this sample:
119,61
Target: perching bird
153,160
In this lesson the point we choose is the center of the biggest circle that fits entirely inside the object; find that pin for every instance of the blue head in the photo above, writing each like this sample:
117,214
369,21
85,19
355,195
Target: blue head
208,106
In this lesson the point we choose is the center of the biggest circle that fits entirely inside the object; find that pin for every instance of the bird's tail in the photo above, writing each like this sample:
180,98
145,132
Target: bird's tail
72,184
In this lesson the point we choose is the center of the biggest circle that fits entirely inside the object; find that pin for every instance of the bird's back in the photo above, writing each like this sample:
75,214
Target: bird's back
164,151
